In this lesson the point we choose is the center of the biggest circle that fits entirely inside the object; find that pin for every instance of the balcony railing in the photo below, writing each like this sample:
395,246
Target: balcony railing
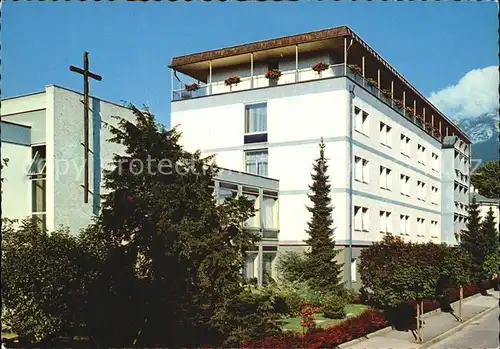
258,81
301,75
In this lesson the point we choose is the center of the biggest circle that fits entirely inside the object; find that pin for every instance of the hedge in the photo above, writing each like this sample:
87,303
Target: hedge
369,321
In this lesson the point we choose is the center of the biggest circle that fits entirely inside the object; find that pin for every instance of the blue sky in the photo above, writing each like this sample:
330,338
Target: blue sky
433,44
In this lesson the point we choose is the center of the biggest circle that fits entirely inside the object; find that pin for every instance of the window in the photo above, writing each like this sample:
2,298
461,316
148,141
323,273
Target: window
405,145
435,164
361,170
420,227
434,195
270,211
385,178
421,154
361,121
434,229
256,118
404,225
256,162
385,134
252,194
421,191
38,161
267,267
361,219
385,222
226,191
405,185
354,270
37,174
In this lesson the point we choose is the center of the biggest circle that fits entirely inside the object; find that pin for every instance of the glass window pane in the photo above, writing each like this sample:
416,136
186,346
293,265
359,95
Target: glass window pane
256,118
38,195
256,162
267,274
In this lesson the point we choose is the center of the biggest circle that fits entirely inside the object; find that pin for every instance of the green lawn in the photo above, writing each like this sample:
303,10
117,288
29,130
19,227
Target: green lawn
293,324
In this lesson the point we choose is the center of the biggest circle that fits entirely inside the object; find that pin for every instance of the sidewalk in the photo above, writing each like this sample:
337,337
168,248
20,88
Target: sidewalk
436,323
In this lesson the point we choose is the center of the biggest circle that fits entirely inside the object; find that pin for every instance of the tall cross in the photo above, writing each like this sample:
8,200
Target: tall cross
86,75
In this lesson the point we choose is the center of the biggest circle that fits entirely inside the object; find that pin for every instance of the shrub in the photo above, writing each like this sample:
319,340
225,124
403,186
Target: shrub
394,272
333,306
292,300
291,266
249,315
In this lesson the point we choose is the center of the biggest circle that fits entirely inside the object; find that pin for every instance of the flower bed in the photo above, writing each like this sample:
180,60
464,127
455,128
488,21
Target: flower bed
368,321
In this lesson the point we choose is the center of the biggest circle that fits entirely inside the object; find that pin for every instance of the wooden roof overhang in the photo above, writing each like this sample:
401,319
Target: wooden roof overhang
197,65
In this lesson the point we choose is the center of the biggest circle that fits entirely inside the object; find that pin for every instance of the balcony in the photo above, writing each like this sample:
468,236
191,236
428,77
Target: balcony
257,81
246,83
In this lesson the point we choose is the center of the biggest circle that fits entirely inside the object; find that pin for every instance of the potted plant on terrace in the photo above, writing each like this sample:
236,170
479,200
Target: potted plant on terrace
372,82
191,87
387,93
428,126
398,103
273,74
410,111
355,69
436,133
232,80
320,66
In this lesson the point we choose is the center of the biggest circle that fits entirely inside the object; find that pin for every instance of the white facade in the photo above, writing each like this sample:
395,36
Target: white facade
396,165
54,120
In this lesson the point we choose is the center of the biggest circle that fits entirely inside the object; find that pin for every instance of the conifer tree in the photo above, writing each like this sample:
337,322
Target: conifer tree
490,234
474,241
167,258
322,270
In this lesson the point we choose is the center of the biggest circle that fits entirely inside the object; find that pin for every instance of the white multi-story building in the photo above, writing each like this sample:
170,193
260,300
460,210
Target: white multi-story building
42,137
390,163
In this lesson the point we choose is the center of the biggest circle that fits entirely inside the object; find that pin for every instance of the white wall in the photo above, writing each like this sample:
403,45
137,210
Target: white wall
67,135
295,126
16,189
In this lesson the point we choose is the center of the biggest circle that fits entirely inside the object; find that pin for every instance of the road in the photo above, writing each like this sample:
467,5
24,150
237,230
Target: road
482,333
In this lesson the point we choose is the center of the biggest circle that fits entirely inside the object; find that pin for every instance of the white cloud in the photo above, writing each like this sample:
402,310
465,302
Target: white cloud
475,93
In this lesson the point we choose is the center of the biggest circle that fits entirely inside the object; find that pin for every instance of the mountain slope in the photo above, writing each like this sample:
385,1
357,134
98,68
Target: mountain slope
483,131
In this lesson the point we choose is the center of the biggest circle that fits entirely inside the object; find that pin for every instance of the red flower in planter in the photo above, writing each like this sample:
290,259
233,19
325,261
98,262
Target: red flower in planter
419,117
410,110
233,79
191,87
355,69
398,103
320,66
273,74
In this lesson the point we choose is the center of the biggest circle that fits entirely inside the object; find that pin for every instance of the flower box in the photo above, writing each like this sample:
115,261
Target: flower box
355,69
436,133
386,93
372,82
428,126
232,80
320,66
398,103
273,74
191,87
410,111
